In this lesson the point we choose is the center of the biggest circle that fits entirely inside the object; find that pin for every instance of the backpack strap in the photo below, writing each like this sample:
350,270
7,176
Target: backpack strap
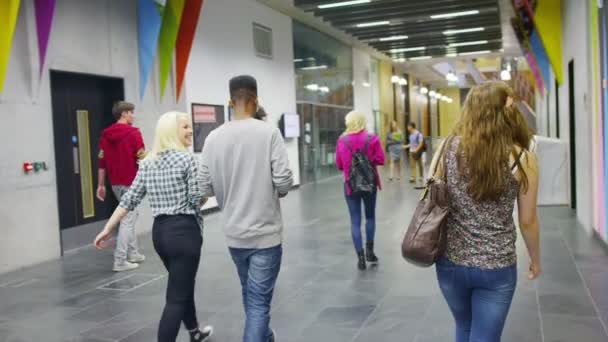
369,139
347,143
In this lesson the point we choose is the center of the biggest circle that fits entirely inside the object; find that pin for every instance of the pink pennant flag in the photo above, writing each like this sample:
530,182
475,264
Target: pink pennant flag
45,10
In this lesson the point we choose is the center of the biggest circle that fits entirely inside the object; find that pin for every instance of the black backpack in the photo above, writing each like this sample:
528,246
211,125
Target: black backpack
362,174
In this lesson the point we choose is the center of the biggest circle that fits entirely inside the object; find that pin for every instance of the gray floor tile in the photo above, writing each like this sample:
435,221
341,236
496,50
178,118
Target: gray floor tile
565,328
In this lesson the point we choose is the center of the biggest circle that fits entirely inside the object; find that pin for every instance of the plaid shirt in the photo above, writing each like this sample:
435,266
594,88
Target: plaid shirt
171,182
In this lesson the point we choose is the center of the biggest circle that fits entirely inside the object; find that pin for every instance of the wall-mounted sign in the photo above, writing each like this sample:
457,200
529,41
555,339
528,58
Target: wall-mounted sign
290,125
205,118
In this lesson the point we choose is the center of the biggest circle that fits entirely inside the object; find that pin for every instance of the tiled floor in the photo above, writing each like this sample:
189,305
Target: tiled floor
320,294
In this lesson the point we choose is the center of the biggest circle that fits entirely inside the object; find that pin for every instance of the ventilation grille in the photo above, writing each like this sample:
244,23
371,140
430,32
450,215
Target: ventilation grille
262,41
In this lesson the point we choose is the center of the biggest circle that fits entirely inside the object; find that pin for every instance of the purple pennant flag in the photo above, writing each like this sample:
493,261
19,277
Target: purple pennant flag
44,18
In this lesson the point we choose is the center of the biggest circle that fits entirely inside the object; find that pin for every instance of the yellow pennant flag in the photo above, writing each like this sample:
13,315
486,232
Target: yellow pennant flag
548,22
8,17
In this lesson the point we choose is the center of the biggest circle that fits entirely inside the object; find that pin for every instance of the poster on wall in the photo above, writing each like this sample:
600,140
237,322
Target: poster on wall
205,118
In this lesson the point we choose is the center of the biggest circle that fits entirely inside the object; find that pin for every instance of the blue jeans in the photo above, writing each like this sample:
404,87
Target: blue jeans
479,299
258,270
354,208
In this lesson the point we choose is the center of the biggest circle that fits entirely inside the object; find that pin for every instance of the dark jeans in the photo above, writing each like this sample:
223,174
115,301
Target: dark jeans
258,270
479,299
177,240
354,208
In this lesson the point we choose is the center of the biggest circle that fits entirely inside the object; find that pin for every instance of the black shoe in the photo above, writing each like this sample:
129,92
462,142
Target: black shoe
201,335
361,264
369,251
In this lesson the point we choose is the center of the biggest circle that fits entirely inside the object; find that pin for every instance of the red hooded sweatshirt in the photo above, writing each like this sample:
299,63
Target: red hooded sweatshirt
120,147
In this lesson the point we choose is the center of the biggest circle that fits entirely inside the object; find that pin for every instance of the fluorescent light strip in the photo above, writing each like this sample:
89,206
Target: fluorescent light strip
420,58
477,42
452,55
451,32
298,60
389,39
343,3
419,48
375,23
316,67
454,14
474,53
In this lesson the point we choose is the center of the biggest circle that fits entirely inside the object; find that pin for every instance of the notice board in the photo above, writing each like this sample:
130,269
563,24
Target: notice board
205,118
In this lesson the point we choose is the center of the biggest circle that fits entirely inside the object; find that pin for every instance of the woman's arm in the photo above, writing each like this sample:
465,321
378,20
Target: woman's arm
529,224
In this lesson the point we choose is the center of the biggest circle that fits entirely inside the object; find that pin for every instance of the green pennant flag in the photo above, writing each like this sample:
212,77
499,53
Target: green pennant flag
168,35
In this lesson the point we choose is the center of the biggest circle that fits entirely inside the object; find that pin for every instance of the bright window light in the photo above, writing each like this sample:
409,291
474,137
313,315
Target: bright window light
454,14
419,48
392,38
375,23
421,58
316,67
474,53
312,87
469,30
343,3
477,42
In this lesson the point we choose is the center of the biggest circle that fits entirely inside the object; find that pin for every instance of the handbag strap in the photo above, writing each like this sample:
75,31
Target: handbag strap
442,158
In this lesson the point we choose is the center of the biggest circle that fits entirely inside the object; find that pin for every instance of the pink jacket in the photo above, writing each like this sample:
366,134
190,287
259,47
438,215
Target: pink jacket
375,153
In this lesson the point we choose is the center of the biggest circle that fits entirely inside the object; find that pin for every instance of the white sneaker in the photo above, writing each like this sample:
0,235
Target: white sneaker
125,266
137,258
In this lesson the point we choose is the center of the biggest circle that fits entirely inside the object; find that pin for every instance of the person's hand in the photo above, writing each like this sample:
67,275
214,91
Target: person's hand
101,193
534,271
101,241
282,195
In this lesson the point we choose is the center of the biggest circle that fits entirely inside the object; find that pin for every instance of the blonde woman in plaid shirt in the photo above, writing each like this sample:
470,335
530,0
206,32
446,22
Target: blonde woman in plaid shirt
168,175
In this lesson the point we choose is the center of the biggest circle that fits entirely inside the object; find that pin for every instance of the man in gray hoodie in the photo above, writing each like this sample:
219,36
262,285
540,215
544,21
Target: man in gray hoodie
245,166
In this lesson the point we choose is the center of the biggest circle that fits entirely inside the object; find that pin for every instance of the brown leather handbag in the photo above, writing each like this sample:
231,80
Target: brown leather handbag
425,237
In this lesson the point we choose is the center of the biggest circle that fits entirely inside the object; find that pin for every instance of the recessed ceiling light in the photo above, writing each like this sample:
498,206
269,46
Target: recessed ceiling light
388,39
424,90
454,14
343,3
420,58
312,87
419,48
400,60
374,23
452,55
298,60
474,52
477,42
395,79
469,30
316,67
402,81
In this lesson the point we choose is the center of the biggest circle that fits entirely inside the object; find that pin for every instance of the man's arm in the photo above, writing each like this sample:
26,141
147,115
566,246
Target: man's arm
101,172
204,174
139,147
282,176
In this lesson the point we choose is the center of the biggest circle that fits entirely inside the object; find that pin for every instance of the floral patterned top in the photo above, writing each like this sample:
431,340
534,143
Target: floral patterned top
480,234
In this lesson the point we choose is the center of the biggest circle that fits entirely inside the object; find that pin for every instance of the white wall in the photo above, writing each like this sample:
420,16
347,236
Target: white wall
223,48
95,37
575,45
362,86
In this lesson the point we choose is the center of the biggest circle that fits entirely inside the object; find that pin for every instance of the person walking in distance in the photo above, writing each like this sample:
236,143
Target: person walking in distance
416,147
120,149
245,166
489,167
394,142
358,154
169,176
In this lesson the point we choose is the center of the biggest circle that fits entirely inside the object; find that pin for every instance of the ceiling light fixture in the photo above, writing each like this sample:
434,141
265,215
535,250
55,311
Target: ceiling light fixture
395,79
432,93
421,58
312,87
452,55
454,14
474,53
424,90
469,30
324,89
388,39
298,60
366,84
438,96
505,75
375,23
419,48
403,81
400,60
477,42
343,3
316,67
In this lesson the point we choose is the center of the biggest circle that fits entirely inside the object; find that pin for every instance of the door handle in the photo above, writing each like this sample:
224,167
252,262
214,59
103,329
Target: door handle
76,159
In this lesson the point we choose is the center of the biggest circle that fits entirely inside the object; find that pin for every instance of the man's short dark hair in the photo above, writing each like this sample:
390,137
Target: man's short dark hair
121,107
243,87
412,124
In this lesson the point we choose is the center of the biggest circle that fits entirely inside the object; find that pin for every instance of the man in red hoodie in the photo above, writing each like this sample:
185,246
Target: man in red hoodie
120,149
